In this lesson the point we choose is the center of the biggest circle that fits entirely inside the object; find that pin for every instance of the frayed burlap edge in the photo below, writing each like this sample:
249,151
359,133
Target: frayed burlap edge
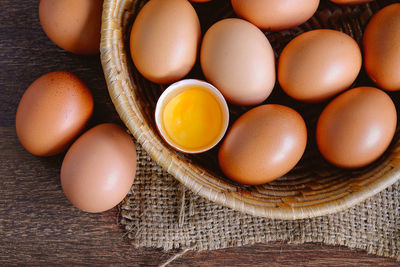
160,212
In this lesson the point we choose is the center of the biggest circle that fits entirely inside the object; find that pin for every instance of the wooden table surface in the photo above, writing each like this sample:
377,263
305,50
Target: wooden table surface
37,224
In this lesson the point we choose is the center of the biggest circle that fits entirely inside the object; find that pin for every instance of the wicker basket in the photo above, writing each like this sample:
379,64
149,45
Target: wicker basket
312,189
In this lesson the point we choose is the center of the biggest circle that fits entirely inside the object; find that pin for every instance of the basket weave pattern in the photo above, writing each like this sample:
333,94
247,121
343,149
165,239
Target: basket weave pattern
312,189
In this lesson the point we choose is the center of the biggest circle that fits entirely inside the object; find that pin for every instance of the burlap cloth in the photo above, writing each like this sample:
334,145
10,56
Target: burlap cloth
160,212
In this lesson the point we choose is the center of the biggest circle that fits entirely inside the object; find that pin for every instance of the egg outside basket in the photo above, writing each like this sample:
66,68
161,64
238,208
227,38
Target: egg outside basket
313,188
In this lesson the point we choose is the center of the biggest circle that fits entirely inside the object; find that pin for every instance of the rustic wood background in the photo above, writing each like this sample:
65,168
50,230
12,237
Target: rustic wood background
37,224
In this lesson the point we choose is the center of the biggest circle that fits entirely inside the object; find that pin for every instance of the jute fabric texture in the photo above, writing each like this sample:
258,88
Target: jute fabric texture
160,212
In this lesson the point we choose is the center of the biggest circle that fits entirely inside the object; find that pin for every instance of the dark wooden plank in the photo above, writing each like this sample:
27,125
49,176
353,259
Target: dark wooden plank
37,224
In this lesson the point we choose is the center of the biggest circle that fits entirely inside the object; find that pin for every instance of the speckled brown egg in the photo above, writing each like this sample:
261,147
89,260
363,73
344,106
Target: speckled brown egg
275,14
164,40
319,64
263,144
52,112
238,59
382,48
73,25
356,127
99,168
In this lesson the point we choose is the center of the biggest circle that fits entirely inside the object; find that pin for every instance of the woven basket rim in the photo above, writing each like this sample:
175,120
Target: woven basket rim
114,65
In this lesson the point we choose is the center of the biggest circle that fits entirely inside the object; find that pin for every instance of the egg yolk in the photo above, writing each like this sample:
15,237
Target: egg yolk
193,119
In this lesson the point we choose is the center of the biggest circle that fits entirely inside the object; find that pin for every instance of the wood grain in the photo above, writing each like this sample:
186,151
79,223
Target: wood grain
37,224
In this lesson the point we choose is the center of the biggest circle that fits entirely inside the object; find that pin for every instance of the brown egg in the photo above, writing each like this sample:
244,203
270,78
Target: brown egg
99,168
319,64
164,40
238,59
73,25
382,48
275,15
356,127
52,112
263,144
351,2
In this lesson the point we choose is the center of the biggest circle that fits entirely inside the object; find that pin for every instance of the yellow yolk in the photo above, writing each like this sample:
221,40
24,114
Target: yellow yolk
193,119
